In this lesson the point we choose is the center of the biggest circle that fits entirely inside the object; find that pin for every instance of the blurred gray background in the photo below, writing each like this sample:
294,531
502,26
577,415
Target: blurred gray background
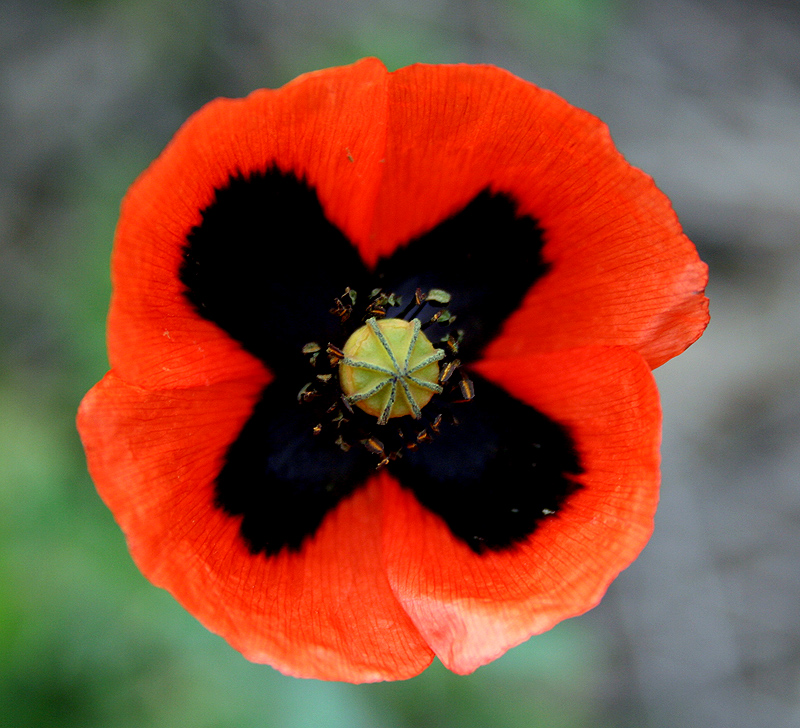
703,630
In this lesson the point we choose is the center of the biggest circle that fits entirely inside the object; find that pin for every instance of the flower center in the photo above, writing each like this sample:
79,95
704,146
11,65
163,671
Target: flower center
390,369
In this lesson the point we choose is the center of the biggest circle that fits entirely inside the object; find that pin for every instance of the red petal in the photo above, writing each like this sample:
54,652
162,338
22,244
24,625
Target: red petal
326,612
328,127
471,608
622,270
391,156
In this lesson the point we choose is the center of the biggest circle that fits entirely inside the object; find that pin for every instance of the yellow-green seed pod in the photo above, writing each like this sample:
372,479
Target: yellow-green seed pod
390,369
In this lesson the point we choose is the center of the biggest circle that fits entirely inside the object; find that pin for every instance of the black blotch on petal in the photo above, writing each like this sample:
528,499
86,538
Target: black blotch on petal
496,474
281,478
486,255
265,265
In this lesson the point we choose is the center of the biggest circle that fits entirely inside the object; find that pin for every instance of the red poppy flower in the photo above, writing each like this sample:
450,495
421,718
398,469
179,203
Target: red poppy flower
318,533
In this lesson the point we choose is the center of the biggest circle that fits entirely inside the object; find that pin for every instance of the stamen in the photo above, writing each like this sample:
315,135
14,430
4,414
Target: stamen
387,369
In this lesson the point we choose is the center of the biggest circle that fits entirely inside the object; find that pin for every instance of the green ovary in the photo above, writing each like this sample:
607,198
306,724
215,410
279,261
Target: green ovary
390,369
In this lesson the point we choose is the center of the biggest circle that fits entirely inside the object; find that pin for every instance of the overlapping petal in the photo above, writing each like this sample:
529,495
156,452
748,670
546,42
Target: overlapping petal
327,127
326,612
390,156
471,608
623,273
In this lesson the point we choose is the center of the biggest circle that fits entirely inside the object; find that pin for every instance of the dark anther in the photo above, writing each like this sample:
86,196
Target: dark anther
448,369
307,393
467,388
373,445
452,342
335,354
441,317
414,307
379,303
341,310
435,297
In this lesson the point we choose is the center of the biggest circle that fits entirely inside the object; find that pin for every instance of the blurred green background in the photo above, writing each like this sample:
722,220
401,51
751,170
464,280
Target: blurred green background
704,95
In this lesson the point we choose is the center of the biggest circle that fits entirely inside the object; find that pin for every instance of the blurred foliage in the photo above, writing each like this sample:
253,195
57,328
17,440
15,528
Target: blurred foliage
565,31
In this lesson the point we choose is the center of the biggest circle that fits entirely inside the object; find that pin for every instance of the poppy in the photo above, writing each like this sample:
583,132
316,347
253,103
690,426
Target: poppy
381,350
